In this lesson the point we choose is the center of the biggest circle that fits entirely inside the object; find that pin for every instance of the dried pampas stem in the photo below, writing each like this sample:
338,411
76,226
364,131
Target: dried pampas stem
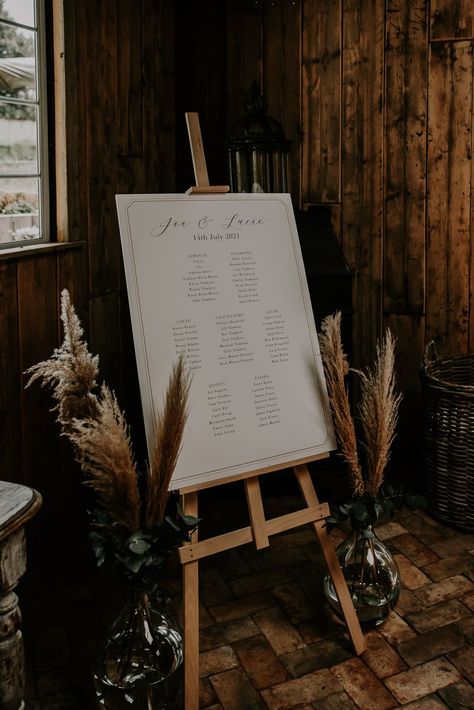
97,428
103,449
379,412
71,371
336,368
168,438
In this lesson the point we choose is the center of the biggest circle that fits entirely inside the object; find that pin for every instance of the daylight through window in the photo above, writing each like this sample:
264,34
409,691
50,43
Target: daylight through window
23,126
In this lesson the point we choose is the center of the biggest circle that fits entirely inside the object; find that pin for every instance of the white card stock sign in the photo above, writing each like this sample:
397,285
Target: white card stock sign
221,279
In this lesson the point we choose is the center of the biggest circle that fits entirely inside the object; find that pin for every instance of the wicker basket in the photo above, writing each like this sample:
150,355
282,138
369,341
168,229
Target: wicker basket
448,388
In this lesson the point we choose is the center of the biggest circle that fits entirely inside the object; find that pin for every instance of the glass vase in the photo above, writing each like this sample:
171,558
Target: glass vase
139,664
372,577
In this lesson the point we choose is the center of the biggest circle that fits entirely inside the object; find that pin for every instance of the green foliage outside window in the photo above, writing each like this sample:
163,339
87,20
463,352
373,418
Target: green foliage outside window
14,43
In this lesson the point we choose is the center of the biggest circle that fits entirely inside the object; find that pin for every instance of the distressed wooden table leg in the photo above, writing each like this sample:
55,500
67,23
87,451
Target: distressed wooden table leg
12,659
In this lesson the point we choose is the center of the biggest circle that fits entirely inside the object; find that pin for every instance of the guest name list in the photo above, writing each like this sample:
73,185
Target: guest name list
221,280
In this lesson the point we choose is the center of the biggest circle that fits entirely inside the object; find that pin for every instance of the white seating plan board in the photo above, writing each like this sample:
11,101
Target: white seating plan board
221,279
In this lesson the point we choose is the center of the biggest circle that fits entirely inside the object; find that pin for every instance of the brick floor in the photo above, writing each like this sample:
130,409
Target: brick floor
268,640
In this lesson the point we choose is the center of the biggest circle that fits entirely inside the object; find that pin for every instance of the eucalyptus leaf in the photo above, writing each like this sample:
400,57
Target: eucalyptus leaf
138,535
139,546
359,511
157,560
171,522
131,562
191,521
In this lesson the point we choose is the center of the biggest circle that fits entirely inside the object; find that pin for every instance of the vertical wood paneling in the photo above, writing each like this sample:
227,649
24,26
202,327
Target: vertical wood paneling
244,54
366,121
201,87
321,100
105,338
449,186
409,348
281,76
471,236
75,119
10,388
452,19
129,385
129,107
159,95
37,319
99,54
405,155
72,274
362,166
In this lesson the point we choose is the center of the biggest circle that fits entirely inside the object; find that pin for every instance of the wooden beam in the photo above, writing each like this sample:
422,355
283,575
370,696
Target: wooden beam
220,543
257,515
191,616
202,186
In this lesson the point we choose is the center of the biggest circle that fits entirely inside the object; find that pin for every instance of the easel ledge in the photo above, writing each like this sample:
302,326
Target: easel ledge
260,529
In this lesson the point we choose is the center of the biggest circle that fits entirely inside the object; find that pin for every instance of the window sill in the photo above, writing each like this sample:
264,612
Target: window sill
36,249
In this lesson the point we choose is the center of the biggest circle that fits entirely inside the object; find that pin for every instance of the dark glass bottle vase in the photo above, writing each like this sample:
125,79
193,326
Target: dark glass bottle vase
372,577
139,666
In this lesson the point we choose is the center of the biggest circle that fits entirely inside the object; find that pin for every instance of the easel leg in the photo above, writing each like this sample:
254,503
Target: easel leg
257,515
191,618
334,568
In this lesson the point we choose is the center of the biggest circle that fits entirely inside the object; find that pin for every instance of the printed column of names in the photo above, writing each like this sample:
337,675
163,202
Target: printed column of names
276,337
265,401
233,343
201,281
221,419
244,276
186,342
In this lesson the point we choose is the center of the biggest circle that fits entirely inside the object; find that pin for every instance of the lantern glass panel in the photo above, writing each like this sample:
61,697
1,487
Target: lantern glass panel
277,172
258,149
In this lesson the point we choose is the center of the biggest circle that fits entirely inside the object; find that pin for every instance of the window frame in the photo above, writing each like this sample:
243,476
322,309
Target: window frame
40,103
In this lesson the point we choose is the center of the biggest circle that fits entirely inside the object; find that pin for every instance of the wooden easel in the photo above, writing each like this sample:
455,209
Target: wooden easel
260,529
202,186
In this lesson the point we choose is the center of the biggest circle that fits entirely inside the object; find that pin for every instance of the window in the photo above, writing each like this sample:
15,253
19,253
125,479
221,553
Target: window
24,191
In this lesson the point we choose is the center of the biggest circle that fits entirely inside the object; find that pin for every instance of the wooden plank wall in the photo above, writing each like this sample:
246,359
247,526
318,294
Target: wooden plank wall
120,126
377,98
384,139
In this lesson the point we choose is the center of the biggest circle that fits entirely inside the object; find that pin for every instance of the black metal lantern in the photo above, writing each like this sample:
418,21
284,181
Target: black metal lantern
258,150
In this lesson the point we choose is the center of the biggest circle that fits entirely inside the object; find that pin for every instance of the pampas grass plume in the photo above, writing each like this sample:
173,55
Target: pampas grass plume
379,412
378,407
71,371
335,369
98,430
103,449
168,438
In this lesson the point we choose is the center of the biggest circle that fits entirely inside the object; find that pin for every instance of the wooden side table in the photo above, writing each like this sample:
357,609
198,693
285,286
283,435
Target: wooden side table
18,504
